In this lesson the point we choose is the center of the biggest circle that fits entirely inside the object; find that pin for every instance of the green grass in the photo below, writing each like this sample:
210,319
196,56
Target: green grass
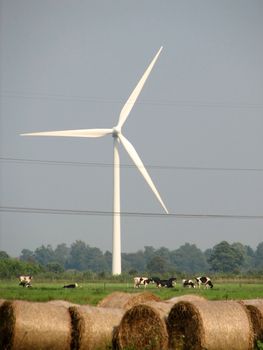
92,293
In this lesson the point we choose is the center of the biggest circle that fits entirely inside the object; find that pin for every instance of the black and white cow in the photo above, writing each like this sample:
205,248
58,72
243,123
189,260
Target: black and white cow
141,281
25,280
205,281
74,285
188,283
165,283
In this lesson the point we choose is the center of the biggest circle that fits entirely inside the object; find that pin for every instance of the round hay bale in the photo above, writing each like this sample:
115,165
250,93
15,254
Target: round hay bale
30,325
213,325
125,301
143,327
255,308
92,327
61,303
187,297
255,302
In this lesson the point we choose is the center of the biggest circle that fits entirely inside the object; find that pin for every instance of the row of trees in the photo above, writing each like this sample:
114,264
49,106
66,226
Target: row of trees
188,259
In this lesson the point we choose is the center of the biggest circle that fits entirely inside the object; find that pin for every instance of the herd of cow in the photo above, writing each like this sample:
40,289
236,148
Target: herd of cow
26,280
169,283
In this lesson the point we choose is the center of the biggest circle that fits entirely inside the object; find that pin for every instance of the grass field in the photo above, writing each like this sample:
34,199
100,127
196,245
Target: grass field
93,292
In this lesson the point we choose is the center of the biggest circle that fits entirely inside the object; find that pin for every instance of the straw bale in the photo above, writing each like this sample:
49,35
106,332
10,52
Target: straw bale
125,301
144,327
255,308
92,327
212,325
255,302
61,303
31,325
187,297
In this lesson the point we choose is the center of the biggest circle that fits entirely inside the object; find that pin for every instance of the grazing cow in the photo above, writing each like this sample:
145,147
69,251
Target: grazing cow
25,281
141,281
188,283
147,281
138,281
74,285
205,281
165,283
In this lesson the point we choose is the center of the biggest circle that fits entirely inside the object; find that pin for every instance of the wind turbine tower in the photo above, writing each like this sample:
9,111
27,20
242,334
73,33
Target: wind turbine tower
118,138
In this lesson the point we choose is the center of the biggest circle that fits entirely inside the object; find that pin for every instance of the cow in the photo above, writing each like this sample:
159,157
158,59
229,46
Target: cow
188,283
165,283
141,281
73,285
205,281
25,281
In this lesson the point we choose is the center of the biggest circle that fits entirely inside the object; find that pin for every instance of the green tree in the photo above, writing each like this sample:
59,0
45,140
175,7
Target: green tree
62,254
95,260
189,259
108,259
164,253
78,256
225,258
83,257
207,253
11,268
3,255
27,255
149,253
157,264
44,255
134,261
248,256
259,257
54,267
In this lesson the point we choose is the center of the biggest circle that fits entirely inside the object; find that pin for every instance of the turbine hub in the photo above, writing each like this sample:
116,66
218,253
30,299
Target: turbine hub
116,131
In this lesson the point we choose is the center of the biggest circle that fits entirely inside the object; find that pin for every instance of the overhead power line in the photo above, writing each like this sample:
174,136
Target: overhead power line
102,164
106,100
33,210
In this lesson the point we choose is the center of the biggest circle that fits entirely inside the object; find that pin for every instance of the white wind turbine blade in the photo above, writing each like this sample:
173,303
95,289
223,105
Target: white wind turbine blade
137,161
73,133
134,95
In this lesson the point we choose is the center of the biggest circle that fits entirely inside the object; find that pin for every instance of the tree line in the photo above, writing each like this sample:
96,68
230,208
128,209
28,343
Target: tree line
187,260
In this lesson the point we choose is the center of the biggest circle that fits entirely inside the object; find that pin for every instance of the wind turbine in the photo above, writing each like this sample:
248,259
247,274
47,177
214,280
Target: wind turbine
118,137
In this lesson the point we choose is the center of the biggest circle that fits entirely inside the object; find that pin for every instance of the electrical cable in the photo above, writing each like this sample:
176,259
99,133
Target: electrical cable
34,210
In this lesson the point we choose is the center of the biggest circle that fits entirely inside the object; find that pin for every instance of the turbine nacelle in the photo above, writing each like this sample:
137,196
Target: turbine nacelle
116,131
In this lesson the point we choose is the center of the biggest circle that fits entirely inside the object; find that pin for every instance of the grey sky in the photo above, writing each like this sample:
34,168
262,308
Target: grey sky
72,64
